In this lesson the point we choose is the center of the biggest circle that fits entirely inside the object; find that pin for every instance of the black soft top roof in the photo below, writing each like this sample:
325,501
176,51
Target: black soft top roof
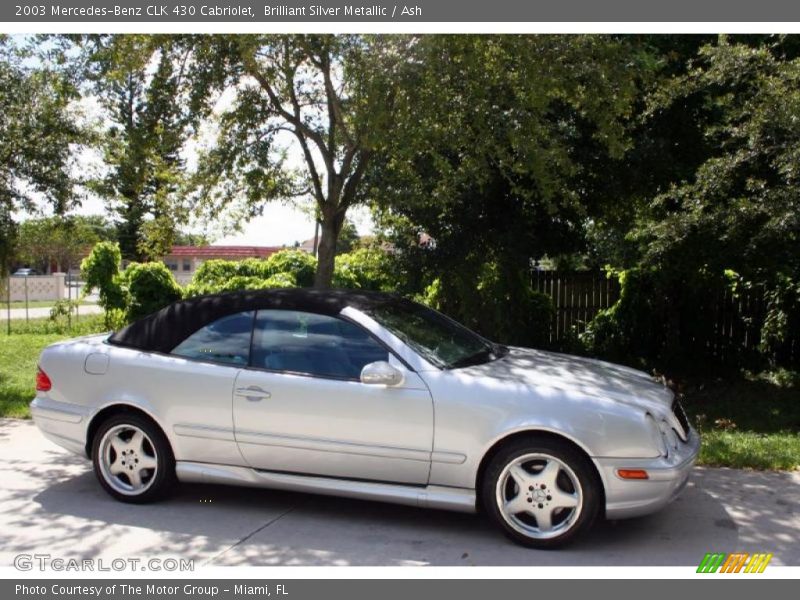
168,327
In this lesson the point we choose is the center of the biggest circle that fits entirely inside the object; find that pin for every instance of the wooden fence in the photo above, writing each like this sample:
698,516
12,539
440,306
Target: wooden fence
734,323
722,324
577,297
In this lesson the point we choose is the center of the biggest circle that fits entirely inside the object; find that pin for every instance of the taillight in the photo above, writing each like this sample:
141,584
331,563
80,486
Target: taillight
43,383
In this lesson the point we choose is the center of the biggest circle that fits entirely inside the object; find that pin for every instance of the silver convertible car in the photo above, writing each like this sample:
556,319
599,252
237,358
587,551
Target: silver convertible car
365,395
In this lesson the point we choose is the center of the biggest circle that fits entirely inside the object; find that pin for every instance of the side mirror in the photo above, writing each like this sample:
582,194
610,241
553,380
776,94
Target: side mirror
381,373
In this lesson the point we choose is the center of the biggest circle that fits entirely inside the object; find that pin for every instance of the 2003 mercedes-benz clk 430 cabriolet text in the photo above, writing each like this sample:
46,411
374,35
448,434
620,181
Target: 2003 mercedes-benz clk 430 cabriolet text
366,395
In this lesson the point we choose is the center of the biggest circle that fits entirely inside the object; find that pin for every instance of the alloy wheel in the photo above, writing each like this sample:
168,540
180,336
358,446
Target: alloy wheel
128,459
539,496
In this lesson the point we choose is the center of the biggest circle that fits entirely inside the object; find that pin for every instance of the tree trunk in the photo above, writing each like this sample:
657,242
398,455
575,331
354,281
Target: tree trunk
331,226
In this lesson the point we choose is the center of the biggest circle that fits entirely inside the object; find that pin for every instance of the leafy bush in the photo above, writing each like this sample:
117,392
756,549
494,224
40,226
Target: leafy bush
301,265
149,287
366,269
216,275
343,277
244,282
63,310
287,268
100,270
633,326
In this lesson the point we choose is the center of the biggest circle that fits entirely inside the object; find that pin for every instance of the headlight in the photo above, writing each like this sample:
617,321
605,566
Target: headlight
657,434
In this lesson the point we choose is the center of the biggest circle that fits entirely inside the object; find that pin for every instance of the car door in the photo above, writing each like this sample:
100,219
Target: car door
194,386
301,407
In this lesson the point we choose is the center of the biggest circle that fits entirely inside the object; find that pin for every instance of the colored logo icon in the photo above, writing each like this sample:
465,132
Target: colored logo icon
737,562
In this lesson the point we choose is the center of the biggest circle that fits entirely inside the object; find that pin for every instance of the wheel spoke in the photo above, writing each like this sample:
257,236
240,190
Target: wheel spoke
520,475
544,520
564,500
135,477
116,467
136,441
549,473
516,505
118,444
147,462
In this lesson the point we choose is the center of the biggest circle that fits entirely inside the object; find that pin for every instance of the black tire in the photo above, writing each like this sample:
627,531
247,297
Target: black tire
574,524
160,482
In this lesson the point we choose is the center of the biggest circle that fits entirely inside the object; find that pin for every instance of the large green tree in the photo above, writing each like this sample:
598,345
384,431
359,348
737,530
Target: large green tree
711,189
740,207
493,150
60,241
141,82
329,99
38,135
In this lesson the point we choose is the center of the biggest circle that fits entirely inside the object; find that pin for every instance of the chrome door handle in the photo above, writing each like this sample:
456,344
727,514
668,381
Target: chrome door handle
253,393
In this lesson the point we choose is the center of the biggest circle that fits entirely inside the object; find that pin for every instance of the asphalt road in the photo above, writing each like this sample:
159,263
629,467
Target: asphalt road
50,502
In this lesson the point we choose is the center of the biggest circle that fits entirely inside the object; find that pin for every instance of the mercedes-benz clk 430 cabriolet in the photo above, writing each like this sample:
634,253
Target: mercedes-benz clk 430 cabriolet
365,395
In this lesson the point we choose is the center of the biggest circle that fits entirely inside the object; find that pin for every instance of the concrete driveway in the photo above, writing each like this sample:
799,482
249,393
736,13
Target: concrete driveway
50,502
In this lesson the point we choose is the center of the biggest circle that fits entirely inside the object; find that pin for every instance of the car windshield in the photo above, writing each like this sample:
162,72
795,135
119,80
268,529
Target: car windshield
437,338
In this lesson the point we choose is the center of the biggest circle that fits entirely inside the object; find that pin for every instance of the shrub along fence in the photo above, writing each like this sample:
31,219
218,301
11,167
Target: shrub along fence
726,325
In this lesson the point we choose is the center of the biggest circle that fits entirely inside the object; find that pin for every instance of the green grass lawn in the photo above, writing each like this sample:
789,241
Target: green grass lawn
747,421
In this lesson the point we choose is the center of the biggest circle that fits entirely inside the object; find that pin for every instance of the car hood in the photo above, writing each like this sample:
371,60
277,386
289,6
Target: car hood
576,375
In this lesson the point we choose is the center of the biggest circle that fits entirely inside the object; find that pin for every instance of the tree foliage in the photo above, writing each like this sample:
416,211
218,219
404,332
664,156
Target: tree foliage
142,84
740,208
148,287
38,132
100,271
38,135
58,240
492,154
330,97
728,205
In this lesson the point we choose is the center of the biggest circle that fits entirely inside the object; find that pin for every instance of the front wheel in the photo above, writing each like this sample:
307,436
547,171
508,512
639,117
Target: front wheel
132,459
541,492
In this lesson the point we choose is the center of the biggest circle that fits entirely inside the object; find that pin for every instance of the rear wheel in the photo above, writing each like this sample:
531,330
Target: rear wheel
542,492
132,459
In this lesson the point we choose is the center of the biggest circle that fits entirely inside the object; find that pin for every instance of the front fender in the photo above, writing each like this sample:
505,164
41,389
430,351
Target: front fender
471,419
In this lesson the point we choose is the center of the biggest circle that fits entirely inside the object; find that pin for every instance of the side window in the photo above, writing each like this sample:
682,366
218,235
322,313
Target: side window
312,344
226,340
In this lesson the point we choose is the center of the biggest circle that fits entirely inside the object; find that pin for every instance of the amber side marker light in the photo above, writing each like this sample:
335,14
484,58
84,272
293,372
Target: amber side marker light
633,474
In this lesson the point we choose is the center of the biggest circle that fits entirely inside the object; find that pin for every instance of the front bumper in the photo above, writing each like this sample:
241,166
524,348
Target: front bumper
668,476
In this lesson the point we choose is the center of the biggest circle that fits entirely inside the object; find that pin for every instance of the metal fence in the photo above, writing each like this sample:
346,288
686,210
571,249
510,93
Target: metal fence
24,298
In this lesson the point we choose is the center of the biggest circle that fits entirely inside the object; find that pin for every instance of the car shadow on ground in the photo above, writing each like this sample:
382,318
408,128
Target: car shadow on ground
223,525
